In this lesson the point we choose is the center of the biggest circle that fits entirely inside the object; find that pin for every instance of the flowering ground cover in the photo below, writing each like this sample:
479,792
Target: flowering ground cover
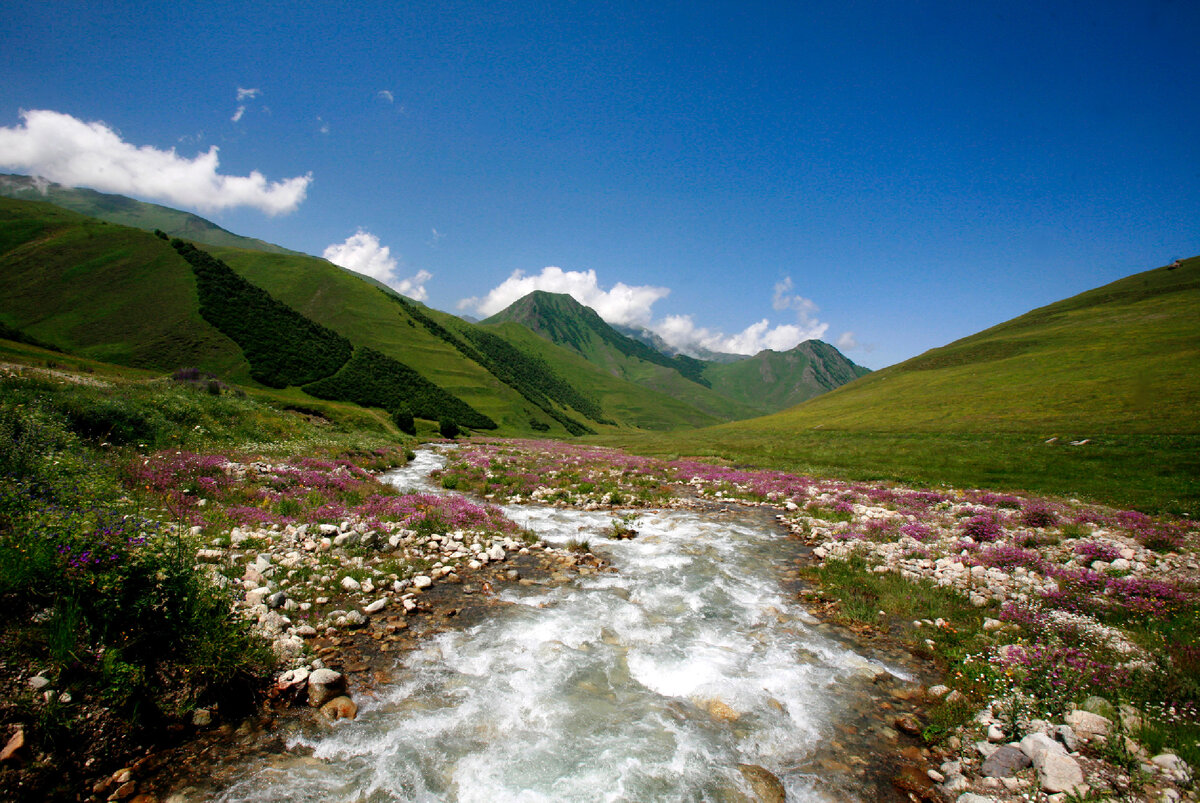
1032,604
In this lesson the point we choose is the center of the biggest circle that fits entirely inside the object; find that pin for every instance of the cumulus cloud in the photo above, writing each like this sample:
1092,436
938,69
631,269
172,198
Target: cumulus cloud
682,333
624,304
363,253
385,94
847,341
67,150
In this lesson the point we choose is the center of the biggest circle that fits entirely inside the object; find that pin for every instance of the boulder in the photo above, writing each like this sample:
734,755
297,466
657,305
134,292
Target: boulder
1059,772
1088,725
1037,745
1005,762
324,685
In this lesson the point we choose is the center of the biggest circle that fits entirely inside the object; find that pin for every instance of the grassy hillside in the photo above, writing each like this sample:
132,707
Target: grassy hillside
628,404
775,380
107,292
564,321
368,316
128,212
1117,367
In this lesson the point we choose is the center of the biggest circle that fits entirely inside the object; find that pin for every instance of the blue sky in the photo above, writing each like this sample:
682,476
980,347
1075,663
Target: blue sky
890,176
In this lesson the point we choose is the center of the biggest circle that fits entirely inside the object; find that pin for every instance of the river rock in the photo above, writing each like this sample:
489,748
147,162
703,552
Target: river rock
1088,725
14,746
1037,745
1059,772
422,581
766,787
719,710
376,606
350,584
341,707
1005,762
1173,767
324,685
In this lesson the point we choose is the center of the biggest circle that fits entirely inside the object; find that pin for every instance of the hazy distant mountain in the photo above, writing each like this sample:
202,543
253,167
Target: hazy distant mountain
654,341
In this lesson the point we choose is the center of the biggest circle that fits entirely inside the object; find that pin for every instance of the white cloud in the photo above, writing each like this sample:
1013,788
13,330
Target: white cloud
323,127
623,304
247,94
414,286
67,150
363,253
847,342
437,238
237,115
682,333
386,95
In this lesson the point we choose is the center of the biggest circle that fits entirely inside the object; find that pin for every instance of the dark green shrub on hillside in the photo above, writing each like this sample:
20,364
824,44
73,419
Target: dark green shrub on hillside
404,420
373,379
448,428
283,347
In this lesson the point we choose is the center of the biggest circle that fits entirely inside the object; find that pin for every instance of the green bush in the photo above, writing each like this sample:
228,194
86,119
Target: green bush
405,421
448,428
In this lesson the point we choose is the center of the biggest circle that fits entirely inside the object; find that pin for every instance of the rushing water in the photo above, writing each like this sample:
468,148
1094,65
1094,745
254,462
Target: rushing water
653,682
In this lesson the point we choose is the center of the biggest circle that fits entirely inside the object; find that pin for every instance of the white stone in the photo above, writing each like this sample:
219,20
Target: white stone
422,581
1087,725
1059,773
377,606
350,584
255,596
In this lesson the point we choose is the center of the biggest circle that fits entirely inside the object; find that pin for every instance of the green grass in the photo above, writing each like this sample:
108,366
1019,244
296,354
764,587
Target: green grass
1118,366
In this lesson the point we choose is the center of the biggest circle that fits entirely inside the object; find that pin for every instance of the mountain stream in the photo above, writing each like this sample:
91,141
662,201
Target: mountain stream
653,682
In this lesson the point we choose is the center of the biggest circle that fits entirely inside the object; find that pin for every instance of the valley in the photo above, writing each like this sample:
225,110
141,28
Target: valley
229,482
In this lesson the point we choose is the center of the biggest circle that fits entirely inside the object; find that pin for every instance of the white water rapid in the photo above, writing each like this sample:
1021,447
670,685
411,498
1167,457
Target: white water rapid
651,683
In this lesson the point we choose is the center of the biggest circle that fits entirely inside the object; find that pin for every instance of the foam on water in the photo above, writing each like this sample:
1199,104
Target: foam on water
605,689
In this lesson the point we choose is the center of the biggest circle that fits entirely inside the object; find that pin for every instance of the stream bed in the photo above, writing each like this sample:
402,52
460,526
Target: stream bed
653,682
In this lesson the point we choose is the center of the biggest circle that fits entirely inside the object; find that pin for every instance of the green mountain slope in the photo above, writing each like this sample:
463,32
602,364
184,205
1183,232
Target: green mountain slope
1095,396
1124,357
562,320
373,317
626,403
106,292
128,212
775,380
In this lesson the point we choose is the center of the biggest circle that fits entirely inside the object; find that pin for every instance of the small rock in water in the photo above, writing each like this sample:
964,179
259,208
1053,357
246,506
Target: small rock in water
340,708
766,787
719,710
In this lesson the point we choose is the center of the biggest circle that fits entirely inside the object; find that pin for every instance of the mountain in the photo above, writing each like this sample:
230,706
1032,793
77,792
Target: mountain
129,212
775,380
768,382
562,320
1125,356
285,320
